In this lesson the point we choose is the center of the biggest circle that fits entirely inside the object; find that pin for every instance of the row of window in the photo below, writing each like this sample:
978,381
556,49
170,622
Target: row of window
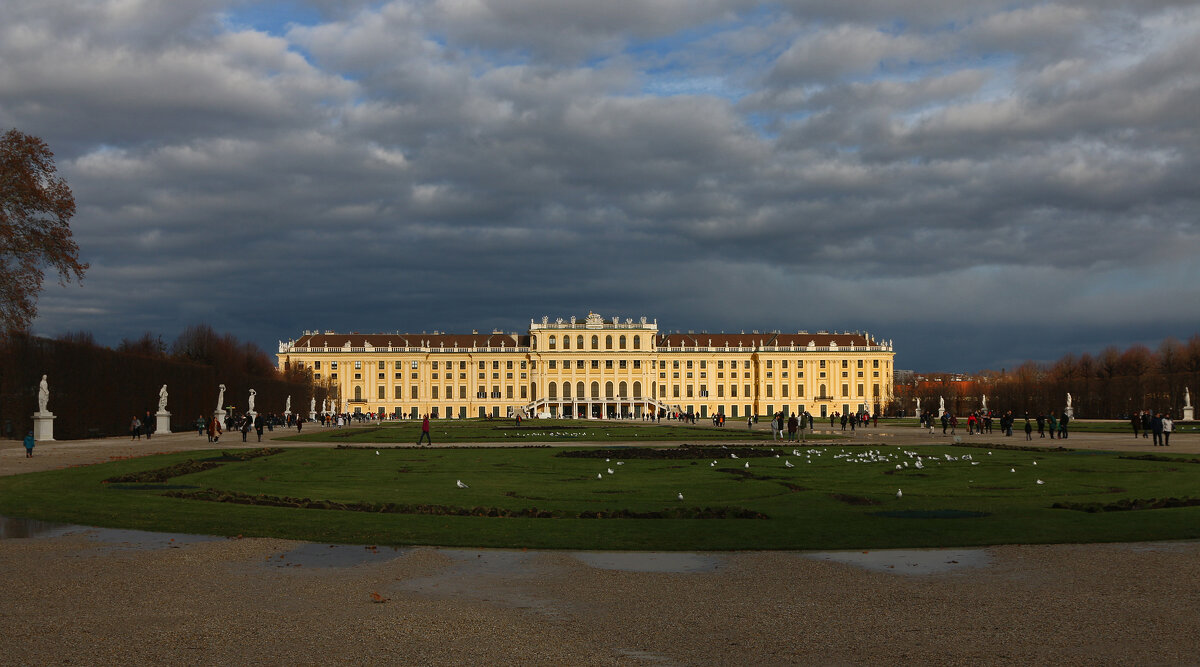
528,392
579,363
608,342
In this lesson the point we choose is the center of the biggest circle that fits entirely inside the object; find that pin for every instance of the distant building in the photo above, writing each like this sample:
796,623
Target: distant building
595,367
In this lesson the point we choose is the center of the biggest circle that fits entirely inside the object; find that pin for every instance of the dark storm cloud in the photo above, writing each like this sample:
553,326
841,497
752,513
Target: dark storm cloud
465,164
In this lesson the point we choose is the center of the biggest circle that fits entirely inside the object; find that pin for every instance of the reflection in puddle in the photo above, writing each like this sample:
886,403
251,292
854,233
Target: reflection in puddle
11,528
911,561
650,561
24,528
334,555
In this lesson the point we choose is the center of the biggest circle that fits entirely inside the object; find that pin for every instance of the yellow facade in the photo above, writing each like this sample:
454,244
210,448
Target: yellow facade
596,368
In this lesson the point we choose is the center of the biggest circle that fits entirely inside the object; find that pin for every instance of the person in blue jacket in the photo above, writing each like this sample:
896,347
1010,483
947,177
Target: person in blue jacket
29,443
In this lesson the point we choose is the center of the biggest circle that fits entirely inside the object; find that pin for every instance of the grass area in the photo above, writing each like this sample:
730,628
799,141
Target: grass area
832,497
562,431
1075,426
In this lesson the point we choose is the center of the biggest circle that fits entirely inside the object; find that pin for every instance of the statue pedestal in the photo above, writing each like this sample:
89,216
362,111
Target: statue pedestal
312,416
162,422
287,414
43,426
251,414
1189,413
219,415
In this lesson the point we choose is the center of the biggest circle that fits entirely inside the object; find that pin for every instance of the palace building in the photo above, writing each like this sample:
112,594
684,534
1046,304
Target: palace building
597,367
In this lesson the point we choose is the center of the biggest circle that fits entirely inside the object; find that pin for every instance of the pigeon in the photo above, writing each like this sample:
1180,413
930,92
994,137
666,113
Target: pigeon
788,464
679,496
461,485
610,471
1040,482
899,493
733,456
747,464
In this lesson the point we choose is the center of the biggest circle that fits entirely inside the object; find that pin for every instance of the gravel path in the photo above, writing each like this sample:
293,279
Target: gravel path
82,598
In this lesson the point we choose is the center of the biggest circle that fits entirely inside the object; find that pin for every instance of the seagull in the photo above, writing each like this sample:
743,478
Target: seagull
620,463
899,493
788,464
679,496
377,454
1040,482
713,464
974,463
898,466
606,460
599,476
461,485
1035,463
610,471
733,456
795,453
747,464
1012,469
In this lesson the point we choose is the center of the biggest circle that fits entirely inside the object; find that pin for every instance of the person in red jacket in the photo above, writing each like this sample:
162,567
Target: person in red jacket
425,431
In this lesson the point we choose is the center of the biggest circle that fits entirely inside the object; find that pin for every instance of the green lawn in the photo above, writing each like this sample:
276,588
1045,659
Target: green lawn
564,431
839,498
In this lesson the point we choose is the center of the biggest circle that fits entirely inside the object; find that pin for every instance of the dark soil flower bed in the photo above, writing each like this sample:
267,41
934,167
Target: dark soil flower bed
214,495
1130,504
190,466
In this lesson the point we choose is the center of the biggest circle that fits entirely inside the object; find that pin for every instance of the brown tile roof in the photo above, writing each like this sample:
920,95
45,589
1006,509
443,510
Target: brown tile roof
337,340
768,340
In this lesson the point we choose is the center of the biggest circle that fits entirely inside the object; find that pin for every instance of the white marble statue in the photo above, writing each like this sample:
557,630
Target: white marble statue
162,399
221,398
312,404
942,403
1068,400
287,405
918,402
985,402
250,401
1187,398
43,395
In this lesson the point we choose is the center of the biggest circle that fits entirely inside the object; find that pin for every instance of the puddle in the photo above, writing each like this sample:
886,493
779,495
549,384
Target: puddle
912,561
650,561
11,528
334,555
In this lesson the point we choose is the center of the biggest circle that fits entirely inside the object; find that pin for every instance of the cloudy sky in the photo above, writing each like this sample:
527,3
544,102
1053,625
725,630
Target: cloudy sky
983,182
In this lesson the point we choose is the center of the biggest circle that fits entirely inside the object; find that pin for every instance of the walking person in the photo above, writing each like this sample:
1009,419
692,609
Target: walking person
1062,426
1156,427
1168,426
148,425
1053,423
1136,422
793,424
425,431
200,425
29,443
258,425
245,428
214,429
1028,429
135,429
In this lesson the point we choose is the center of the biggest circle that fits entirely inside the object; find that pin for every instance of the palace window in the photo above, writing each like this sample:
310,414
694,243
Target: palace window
608,342
799,391
552,339
333,365
621,342
553,364
398,392
770,391
608,364
414,392
509,365
637,342
435,365
596,364
622,364
358,365
637,363
595,342
579,341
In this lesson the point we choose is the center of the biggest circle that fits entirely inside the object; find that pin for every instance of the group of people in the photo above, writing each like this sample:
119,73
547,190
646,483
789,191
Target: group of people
859,419
792,424
1158,424
139,427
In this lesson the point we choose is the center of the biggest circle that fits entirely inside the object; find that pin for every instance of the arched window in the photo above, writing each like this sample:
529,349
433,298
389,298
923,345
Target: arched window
579,341
552,342
579,390
637,342
608,342
621,342
637,389
623,390
608,390
552,391
595,390
595,342
358,393
566,342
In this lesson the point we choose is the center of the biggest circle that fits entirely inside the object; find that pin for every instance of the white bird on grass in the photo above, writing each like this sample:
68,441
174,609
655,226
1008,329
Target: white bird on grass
680,496
1040,482
1012,469
788,464
733,456
713,464
599,476
461,485
377,453
899,493
610,471
747,464
1035,463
